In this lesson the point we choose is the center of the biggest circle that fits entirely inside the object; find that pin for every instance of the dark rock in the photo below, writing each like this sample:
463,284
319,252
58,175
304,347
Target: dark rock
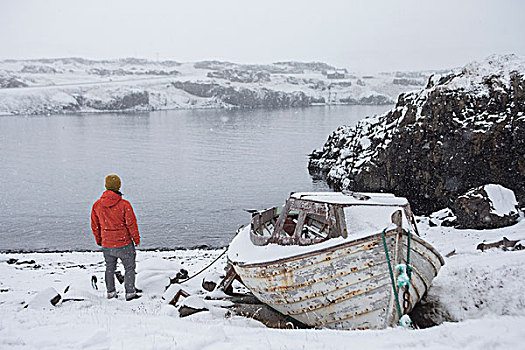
247,98
313,66
25,262
244,97
54,301
241,76
197,88
124,101
476,209
460,132
340,83
187,311
444,217
191,305
430,312
208,285
373,99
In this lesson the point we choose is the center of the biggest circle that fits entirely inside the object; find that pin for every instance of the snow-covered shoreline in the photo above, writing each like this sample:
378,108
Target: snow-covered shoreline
480,290
74,85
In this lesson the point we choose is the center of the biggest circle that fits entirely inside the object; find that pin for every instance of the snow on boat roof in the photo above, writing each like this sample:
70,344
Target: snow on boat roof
351,198
242,250
365,222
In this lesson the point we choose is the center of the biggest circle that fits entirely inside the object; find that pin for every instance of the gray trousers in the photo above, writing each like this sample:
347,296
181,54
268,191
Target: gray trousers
127,256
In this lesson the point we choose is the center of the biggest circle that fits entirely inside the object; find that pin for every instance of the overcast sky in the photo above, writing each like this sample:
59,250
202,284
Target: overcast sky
360,35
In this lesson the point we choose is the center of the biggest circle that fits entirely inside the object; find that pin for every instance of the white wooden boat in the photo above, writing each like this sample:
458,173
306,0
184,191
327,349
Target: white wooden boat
321,259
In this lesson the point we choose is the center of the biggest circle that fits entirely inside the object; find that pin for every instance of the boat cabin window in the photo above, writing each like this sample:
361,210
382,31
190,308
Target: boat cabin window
297,223
263,222
315,227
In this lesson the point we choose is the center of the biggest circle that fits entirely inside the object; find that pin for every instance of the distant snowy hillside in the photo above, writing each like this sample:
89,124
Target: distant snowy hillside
463,130
68,85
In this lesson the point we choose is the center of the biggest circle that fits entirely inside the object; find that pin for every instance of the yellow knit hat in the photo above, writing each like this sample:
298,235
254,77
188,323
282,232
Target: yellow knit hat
112,182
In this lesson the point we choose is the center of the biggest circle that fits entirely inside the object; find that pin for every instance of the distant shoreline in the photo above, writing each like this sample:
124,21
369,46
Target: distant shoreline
133,111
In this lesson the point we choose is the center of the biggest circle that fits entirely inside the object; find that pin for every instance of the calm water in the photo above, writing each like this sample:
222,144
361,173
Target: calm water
188,174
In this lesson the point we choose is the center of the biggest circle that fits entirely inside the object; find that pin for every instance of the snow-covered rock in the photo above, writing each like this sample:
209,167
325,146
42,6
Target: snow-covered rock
44,299
464,129
443,217
489,206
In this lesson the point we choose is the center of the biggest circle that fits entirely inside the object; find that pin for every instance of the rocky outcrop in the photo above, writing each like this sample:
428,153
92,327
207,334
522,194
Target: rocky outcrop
244,97
240,76
116,101
485,207
267,98
200,89
463,130
372,99
302,66
11,82
40,69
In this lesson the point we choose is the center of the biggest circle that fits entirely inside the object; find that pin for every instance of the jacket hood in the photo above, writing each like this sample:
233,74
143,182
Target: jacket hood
110,198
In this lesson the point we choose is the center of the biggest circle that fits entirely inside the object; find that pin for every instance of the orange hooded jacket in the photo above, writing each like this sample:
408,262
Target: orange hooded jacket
113,221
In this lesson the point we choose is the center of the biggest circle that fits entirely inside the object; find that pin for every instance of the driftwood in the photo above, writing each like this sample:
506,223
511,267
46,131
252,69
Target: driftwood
505,244
180,293
246,305
226,284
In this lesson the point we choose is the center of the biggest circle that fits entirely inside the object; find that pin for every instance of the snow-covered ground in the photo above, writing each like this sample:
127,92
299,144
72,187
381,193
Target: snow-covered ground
78,85
482,291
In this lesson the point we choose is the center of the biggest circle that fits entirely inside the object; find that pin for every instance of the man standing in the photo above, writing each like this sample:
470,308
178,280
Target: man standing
115,229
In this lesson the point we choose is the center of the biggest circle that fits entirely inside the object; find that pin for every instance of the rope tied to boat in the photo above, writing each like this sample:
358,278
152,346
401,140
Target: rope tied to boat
206,267
404,280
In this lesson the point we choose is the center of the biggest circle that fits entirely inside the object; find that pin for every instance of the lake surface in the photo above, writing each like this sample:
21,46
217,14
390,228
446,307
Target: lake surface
188,173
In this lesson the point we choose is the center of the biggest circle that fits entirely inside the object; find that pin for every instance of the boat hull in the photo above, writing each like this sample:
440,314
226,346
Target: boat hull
346,286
